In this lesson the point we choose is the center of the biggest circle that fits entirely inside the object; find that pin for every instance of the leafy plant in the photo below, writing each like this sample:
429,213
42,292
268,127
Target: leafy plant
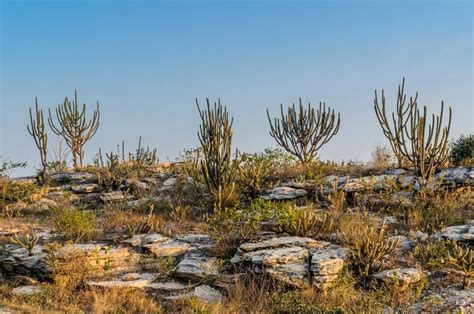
462,150
255,172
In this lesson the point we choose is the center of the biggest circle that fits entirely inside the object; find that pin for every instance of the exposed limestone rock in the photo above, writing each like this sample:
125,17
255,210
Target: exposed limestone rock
403,276
284,193
130,280
169,286
25,291
457,176
85,188
458,233
168,248
283,242
294,274
15,260
326,264
204,293
135,184
115,196
197,267
73,177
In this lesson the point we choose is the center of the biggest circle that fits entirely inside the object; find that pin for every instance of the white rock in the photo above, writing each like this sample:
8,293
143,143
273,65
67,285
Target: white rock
283,242
284,193
197,267
26,291
405,276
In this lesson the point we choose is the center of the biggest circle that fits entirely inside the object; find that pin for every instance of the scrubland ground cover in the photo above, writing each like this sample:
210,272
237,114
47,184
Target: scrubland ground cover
222,231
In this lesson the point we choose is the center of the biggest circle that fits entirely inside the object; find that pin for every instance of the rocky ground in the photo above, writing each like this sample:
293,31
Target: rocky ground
183,260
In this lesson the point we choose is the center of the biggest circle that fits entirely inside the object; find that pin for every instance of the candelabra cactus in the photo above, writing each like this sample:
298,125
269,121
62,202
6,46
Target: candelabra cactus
37,130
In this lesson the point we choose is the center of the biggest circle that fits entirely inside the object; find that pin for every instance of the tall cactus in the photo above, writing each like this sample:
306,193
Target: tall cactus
413,138
218,168
74,126
303,131
394,128
37,130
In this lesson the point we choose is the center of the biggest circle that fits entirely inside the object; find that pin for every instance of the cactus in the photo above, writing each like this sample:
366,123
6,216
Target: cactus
74,127
36,128
253,172
218,168
423,144
462,259
304,131
27,243
367,252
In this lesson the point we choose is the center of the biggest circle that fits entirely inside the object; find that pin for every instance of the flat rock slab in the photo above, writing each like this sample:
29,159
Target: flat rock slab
328,261
459,233
283,242
130,280
205,293
284,193
167,248
169,286
404,276
85,188
26,291
197,267
73,177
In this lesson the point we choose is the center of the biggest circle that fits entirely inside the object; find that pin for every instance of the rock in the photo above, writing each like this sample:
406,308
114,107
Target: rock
328,261
170,247
404,244
85,188
130,280
421,236
169,286
135,184
326,264
459,233
170,181
457,176
26,291
142,239
73,177
284,193
114,196
403,276
199,242
41,206
197,267
293,274
204,293
283,242
15,260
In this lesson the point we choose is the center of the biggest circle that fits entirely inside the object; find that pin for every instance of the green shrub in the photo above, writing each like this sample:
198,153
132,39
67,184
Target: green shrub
462,150
74,224
432,254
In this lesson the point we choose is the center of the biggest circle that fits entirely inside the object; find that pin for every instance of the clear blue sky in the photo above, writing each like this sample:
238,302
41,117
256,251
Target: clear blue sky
146,61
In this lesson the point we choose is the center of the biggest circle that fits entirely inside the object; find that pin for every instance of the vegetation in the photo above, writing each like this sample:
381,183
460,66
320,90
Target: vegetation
462,258
37,130
304,131
218,168
462,150
74,224
27,243
412,137
75,127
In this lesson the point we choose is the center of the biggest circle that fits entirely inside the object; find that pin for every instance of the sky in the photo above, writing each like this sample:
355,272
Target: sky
145,62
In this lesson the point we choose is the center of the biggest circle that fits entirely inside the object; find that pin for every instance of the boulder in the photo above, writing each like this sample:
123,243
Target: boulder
73,177
286,241
25,291
464,233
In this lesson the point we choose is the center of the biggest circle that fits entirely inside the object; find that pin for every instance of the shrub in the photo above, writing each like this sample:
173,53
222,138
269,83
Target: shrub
462,150
255,172
298,221
462,258
73,223
382,158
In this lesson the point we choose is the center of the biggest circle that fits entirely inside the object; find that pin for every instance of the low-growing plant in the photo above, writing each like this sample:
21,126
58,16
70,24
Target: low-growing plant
74,223
299,221
255,172
432,254
368,251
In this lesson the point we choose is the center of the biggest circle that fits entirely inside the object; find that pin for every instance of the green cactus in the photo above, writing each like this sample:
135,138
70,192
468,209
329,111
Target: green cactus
462,258
412,138
28,242
74,127
303,131
36,128
218,168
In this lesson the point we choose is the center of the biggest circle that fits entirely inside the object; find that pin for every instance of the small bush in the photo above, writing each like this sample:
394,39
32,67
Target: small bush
432,254
382,158
462,151
74,224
